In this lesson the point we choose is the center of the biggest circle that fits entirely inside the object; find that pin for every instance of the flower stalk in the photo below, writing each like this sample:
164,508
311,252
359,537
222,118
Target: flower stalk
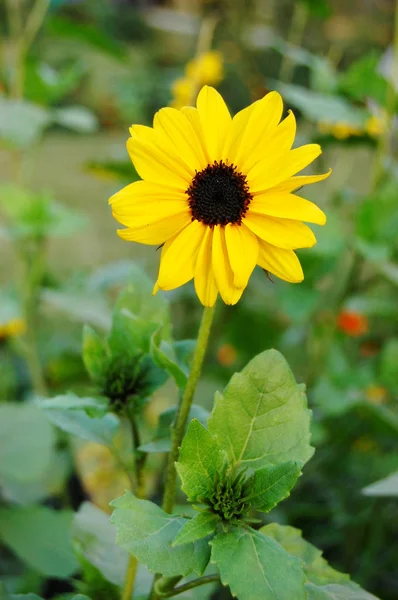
184,407
189,586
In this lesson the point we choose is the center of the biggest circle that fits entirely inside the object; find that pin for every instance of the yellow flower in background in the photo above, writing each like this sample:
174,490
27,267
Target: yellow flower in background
376,394
218,194
339,130
208,68
12,328
100,474
182,90
375,126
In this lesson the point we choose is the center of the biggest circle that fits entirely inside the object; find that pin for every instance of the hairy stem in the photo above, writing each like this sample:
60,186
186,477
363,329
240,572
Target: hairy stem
184,407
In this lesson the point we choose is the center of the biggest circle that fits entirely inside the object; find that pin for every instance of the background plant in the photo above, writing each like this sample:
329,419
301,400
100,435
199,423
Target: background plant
74,76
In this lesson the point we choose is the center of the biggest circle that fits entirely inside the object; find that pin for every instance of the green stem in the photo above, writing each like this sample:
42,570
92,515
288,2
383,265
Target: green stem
33,264
130,578
294,38
204,43
34,21
180,423
138,486
385,138
190,585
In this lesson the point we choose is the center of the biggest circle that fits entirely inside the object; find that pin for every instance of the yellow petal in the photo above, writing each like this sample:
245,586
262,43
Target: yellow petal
192,114
242,247
156,230
234,137
261,125
179,256
143,202
142,190
215,120
273,149
295,183
266,174
282,233
205,283
222,269
178,129
282,263
287,206
156,159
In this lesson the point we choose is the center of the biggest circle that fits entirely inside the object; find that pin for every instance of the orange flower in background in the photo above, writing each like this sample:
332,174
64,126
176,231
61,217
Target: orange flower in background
226,355
352,323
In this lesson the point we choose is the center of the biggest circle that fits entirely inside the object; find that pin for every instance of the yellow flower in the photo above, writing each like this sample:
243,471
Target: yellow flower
207,68
376,394
339,129
218,195
375,126
182,90
12,328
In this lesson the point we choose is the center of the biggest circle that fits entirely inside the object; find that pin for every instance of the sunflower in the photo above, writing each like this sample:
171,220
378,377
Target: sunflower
218,194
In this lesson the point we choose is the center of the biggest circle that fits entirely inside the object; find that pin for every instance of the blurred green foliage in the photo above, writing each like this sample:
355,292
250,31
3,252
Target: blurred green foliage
92,70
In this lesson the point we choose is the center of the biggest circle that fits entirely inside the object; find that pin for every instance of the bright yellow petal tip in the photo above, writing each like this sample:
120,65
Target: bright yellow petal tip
219,194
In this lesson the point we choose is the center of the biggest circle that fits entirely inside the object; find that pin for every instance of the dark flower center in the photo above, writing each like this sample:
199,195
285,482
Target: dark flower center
219,195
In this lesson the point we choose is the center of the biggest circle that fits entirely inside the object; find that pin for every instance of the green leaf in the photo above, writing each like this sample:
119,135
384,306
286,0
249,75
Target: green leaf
85,33
130,334
388,364
41,538
255,567
21,122
4,595
164,356
197,528
95,357
199,461
69,413
385,487
318,8
26,443
80,307
272,484
336,591
147,532
324,582
362,81
262,417
322,107
137,299
46,85
76,118
122,170
162,438
316,568
94,536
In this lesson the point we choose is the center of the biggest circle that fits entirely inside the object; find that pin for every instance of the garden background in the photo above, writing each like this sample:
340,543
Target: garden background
74,76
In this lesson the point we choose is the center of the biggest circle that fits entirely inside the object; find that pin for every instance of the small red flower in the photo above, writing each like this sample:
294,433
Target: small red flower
226,355
352,323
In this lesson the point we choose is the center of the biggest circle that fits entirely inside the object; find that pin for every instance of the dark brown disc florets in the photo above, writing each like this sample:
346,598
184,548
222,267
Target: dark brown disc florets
218,195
